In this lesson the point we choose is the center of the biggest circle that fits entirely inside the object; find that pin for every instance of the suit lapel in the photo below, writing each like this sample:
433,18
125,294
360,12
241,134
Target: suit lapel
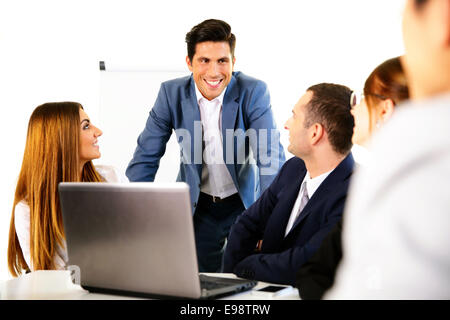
342,171
276,226
191,114
317,198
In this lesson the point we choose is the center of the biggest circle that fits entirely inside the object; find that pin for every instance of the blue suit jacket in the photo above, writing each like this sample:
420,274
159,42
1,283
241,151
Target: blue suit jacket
281,257
246,105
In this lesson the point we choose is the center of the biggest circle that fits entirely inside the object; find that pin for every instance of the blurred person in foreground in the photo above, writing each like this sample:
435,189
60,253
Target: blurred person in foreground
396,224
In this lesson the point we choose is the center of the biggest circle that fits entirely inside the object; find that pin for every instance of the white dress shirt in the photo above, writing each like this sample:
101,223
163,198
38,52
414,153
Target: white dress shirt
216,179
22,221
311,186
395,237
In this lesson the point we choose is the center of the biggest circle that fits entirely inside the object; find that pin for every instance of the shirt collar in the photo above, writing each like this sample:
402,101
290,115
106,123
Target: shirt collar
199,95
313,184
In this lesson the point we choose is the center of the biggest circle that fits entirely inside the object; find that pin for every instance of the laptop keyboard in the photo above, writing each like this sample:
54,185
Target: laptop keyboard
211,283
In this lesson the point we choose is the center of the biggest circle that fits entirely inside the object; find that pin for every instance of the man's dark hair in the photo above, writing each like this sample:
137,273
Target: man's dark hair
330,106
210,30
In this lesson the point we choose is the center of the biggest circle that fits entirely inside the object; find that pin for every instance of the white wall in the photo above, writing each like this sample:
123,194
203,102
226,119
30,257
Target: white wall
49,51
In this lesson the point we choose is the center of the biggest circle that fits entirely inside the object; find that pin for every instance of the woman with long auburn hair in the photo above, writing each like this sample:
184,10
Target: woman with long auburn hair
60,144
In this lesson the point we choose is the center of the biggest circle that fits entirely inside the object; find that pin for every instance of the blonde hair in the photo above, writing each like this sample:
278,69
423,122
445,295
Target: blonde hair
51,156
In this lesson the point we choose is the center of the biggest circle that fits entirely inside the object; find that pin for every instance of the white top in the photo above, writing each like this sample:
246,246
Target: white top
395,234
22,220
111,174
216,179
311,186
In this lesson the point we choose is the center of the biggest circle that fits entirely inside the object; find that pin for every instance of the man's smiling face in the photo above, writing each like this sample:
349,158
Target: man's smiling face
212,67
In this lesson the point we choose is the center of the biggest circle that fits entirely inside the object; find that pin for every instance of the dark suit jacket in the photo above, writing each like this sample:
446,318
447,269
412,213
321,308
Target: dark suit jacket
317,275
281,257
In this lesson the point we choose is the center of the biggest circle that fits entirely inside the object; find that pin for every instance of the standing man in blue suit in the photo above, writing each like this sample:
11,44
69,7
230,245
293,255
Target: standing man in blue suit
230,146
286,225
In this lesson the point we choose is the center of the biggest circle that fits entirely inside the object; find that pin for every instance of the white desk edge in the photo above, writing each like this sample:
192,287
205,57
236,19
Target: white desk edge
57,285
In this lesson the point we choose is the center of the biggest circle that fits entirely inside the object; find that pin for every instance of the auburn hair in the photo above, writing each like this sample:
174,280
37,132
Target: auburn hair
51,156
387,81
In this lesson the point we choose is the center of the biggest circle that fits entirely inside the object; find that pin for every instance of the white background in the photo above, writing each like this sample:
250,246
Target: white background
50,49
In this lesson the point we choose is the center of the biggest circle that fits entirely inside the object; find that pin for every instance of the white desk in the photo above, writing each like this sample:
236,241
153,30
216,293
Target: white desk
57,285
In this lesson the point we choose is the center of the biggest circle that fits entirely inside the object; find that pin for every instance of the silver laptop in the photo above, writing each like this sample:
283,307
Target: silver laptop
137,238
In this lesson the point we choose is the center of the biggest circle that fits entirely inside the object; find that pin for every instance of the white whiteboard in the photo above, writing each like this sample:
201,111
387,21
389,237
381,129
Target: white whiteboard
126,98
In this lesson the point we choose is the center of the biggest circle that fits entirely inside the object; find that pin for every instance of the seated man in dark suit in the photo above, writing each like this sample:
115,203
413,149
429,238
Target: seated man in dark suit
286,225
